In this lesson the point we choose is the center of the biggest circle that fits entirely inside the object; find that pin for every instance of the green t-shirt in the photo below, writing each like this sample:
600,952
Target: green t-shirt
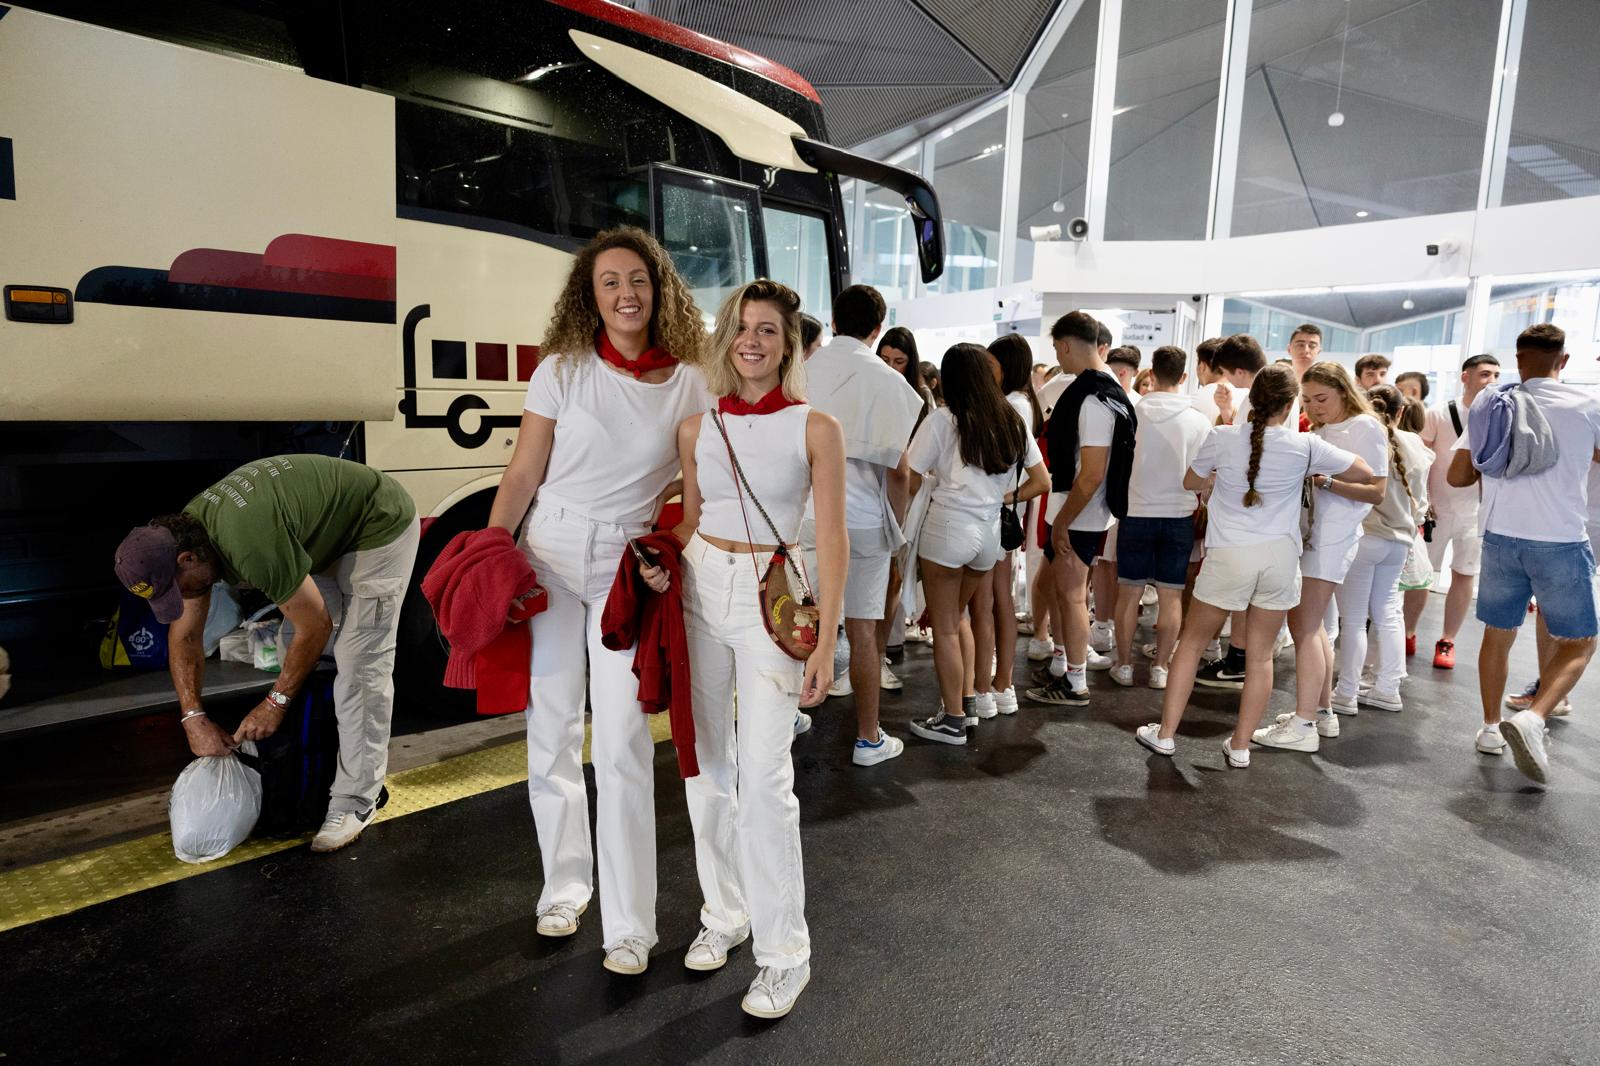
276,520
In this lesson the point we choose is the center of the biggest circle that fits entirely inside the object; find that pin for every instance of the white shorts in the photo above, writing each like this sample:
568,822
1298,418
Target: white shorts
1460,532
866,586
1108,554
1265,575
951,538
1330,562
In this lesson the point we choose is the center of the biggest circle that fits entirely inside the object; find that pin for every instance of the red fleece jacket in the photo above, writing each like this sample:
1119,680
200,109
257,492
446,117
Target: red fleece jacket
652,625
472,587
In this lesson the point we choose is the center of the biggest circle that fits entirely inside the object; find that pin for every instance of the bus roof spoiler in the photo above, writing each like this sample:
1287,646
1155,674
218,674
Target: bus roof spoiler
921,200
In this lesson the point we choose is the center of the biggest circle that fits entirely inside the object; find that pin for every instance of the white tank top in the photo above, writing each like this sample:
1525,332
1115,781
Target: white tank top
772,452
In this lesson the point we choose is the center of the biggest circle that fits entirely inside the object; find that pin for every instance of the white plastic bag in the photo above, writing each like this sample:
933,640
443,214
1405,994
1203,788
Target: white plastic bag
1417,572
215,803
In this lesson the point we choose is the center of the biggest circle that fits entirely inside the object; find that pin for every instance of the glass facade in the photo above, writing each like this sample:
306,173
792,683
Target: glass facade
969,165
1554,148
1055,136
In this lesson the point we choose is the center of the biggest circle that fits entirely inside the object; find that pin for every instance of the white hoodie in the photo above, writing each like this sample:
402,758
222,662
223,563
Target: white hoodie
1170,434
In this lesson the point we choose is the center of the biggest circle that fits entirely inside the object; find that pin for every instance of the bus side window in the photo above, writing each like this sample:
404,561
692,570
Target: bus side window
247,29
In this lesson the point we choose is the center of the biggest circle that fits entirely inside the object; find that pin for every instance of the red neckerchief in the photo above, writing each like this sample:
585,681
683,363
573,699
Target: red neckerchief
772,401
650,359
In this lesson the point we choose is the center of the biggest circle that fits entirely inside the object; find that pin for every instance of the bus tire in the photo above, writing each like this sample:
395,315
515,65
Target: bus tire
421,650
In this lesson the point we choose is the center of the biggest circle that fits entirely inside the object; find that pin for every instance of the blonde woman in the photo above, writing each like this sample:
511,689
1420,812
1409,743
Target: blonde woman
1340,415
744,495
596,450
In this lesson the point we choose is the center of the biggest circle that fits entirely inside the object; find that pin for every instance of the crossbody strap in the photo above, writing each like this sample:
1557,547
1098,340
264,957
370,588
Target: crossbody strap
1455,417
742,487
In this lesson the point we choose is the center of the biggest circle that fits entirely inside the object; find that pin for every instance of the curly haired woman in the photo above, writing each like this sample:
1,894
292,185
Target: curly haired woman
597,448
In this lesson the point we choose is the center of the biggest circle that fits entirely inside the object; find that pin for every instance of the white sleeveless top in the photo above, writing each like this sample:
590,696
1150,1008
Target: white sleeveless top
772,451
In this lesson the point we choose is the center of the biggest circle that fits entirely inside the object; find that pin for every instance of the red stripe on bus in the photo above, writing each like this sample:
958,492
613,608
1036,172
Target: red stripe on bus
246,270
663,30
300,251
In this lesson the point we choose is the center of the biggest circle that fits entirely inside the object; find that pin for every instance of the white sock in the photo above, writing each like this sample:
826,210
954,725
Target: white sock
1058,662
1303,723
1077,676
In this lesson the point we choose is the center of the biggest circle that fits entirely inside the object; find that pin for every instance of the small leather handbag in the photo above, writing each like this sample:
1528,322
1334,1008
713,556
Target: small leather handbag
1011,535
789,611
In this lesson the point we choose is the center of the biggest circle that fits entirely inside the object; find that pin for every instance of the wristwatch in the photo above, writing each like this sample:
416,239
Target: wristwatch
278,699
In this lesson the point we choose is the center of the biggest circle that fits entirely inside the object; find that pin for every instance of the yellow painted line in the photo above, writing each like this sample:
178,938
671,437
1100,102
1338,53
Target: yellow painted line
61,886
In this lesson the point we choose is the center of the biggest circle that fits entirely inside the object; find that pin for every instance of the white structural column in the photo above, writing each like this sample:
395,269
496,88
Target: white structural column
1101,116
1502,101
1230,115
1475,326
1011,188
1055,29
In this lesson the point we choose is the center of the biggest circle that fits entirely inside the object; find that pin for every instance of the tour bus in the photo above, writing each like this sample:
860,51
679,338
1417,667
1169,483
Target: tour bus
235,228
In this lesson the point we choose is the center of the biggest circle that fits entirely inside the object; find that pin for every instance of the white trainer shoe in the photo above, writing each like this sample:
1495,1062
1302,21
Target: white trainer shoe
1038,650
841,685
869,754
1327,723
710,949
1158,677
773,993
1147,598
1344,704
629,956
1238,760
340,829
1489,741
1214,651
886,678
1150,737
1096,661
559,919
1122,675
802,722
1148,650
1005,701
1383,701
1288,734
984,705
1102,636
1528,738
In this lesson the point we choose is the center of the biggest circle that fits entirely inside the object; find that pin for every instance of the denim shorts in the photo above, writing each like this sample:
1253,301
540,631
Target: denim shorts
1559,575
1155,551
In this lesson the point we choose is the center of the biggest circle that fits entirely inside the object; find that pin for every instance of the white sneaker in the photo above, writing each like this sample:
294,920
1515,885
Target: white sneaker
1280,642
1327,723
710,949
886,678
1150,737
1344,705
1148,650
1562,709
1006,701
1213,652
1102,637
1239,760
1122,675
1158,677
1287,734
1097,661
918,634
339,829
1383,701
1490,742
773,993
1147,598
867,754
630,956
559,919
984,706
1038,650
841,685
802,722
1525,734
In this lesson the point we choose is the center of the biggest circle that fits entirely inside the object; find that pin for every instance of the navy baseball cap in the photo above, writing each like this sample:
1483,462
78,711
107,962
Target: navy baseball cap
147,566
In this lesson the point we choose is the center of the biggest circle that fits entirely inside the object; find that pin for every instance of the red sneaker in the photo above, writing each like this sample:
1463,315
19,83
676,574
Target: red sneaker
1444,655
1411,645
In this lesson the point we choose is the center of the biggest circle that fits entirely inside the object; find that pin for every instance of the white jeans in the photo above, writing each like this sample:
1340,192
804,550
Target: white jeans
1369,592
742,805
575,559
372,585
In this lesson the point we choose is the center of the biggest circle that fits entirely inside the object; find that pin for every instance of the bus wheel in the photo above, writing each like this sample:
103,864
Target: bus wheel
421,651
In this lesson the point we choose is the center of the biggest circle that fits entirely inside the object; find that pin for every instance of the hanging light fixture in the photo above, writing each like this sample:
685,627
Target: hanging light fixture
1336,119
1059,206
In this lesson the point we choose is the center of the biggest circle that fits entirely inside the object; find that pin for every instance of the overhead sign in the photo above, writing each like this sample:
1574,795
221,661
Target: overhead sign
1148,329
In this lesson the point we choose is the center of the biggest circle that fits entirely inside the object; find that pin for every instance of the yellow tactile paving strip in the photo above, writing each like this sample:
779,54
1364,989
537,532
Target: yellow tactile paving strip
34,893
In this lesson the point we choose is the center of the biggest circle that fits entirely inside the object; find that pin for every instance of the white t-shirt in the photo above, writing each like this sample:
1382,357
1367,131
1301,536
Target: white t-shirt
1096,424
1338,518
936,449
1019,403
1205,401
616,441
1396,517
1552,506
1170,434
1287,459
1439,433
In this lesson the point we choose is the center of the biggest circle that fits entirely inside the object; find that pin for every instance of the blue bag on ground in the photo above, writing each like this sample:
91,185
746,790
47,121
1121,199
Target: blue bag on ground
134,637
214,804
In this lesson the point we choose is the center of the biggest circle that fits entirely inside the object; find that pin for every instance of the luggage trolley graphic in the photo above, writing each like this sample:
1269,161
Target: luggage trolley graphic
491,361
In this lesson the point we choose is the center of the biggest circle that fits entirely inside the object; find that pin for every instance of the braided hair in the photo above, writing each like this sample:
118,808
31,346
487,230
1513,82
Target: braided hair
1389,404
1271,393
